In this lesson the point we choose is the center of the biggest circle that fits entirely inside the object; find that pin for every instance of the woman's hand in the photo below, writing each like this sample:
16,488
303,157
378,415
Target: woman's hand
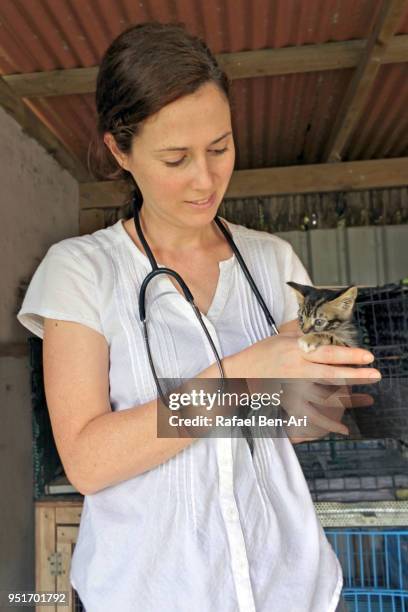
277,360
319,408
281,357
321,392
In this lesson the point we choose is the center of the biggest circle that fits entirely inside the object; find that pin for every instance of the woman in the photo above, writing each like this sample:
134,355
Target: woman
177,524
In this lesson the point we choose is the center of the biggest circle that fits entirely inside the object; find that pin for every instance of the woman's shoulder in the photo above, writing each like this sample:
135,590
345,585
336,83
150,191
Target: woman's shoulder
89,246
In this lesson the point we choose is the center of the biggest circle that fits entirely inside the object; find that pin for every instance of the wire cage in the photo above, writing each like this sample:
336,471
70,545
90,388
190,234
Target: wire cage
375,568
354,470
46,462
373,465
381,316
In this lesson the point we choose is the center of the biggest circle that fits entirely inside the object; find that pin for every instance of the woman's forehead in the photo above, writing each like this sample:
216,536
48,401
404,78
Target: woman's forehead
201,116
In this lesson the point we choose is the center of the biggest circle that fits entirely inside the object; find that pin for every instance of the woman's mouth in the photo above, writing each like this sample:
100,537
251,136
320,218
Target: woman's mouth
203,203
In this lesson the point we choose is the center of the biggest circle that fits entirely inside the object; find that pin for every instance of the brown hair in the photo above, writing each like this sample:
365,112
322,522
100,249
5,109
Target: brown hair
146,67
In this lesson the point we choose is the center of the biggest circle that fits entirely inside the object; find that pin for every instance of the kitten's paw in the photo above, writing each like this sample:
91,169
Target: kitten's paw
310,342
307,344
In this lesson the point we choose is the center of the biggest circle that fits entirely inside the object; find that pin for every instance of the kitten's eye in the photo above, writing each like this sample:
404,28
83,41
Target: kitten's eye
319,322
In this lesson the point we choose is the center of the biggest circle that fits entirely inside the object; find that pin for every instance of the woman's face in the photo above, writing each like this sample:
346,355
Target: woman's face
183,158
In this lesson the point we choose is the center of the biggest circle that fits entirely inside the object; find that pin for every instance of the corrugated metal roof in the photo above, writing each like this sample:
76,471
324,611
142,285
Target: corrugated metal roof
279,120
51,34
383,132
284,120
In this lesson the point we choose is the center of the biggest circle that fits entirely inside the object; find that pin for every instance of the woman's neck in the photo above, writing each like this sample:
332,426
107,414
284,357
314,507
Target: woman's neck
166,237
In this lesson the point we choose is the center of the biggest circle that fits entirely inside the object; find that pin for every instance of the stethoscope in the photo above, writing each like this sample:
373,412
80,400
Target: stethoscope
156,271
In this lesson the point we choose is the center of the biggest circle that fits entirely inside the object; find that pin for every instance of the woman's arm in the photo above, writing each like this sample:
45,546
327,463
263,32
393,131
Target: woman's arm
100,448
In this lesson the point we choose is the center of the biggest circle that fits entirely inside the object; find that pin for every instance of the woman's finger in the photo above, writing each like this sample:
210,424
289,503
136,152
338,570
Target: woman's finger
356,400
315,417
340,397
360,400
342,355
322,394
336,375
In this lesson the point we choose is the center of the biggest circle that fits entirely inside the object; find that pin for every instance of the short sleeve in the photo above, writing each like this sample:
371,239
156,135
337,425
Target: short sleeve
62,287
294,271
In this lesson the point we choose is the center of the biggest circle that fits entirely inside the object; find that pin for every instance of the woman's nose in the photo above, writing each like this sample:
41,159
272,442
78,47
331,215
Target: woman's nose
202,179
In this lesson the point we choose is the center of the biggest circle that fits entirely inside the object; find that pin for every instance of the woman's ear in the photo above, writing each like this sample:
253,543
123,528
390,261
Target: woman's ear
120,157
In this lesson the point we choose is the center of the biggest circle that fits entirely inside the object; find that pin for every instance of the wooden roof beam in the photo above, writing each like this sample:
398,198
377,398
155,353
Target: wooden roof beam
360,86
314,178
242,65
32,126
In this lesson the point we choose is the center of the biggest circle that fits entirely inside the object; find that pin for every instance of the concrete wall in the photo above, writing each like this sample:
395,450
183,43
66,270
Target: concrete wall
39,206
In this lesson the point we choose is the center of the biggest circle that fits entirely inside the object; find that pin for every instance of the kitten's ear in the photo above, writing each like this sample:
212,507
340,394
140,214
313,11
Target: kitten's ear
345,301
300,291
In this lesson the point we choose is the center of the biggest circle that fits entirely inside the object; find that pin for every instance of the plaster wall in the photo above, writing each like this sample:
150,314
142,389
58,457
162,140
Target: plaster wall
39,206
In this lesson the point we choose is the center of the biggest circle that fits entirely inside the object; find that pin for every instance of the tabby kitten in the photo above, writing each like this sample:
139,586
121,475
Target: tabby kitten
325,316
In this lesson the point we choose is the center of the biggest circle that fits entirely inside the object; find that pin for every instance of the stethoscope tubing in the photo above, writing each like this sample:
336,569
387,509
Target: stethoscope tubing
156,271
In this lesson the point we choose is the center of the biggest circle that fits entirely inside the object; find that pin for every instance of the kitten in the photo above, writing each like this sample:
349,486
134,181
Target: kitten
325,316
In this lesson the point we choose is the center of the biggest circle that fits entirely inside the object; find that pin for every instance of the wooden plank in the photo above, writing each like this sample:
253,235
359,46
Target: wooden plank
63,582
13,349
288,60
319,178
67,514
397,50
102,194
67,534
53,82
315,178
361,84
66,540
45,544
32,126
245,64
60,501
91,220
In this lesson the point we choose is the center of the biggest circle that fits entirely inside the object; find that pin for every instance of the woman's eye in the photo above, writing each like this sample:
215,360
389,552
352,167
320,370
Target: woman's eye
175,163
219,151
180,161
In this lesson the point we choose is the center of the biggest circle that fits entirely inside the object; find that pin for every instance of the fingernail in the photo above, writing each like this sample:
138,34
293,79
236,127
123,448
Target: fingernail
368,358
375,374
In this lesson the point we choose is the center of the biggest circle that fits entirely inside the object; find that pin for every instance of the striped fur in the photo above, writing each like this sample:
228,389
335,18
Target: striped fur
325,316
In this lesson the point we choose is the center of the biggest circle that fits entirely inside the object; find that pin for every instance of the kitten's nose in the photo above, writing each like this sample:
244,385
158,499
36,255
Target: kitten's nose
306,329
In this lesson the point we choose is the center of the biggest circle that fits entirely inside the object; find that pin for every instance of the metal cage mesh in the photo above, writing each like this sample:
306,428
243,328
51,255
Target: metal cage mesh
374,564
373,467
381,315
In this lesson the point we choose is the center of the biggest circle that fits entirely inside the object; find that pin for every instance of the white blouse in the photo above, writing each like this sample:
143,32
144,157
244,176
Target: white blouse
212,529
